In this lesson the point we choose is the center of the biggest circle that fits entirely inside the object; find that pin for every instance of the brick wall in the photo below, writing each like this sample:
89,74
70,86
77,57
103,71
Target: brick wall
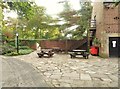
64,44
111,18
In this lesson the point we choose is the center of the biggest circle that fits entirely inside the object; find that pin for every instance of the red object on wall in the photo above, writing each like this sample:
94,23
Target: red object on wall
94,50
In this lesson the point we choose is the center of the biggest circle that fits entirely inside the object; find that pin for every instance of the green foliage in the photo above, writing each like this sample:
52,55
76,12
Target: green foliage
24,47
85,12
12,43
6,48
96,42
30,19
24,9
12,54
71,17
25,51
31,42
51,34
117,2
37,25
33,22
21,52
2,5
11,51
74,17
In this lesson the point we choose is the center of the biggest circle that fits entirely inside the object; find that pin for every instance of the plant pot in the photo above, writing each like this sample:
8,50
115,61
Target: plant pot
94,50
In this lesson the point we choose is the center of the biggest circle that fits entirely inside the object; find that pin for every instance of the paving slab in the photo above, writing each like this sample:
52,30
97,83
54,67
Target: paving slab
20,74
85,77
61,70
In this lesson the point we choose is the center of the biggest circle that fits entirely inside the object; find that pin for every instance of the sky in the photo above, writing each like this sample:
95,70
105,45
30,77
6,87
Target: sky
11,14
53,7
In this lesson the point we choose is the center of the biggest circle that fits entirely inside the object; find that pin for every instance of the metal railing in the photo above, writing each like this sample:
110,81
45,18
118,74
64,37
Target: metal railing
93,23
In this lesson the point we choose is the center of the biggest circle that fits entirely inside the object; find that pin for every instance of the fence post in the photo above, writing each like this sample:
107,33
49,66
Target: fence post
66,46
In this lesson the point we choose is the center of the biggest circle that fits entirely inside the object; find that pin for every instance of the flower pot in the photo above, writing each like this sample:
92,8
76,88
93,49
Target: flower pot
94,50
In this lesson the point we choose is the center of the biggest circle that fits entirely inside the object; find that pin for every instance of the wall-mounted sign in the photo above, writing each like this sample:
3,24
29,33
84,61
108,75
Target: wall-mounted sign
114,43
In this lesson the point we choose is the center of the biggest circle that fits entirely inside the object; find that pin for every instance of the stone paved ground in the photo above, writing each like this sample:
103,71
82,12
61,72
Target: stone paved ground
17,73
62,71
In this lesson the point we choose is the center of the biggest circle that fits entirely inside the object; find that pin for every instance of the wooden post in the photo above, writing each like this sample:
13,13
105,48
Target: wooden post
88,41
66,46
88,38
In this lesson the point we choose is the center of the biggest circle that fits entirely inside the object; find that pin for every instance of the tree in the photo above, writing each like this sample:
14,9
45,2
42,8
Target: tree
85,13
23,9
31,19
70,16
117,2
39,21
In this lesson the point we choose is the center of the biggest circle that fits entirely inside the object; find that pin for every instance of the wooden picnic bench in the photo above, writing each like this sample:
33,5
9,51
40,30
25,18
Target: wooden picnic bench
57,49
47,52
84,53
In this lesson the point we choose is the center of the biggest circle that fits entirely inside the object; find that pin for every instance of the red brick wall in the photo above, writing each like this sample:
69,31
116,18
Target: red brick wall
63,44
110,21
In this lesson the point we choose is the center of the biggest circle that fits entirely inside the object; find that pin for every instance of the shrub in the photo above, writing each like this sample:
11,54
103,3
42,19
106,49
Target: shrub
6,48
21,52
12,43
24,47
25,51
12,54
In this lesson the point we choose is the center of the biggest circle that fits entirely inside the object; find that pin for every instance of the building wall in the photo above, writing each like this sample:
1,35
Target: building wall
111,19
106,25
106,47
98,12
111,27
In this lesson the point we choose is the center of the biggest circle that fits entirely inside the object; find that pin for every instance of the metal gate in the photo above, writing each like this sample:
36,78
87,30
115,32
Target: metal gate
114,46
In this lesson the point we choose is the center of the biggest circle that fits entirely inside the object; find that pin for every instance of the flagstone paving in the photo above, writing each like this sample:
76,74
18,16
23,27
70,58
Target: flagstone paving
62,71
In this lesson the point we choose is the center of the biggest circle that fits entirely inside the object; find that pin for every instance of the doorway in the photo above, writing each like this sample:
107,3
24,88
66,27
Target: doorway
114,46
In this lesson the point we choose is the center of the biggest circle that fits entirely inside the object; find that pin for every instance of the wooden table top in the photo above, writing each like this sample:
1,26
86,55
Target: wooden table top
78,50
46,50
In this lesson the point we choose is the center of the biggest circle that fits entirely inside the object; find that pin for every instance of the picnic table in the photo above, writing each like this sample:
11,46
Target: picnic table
57,49
84,53
43,52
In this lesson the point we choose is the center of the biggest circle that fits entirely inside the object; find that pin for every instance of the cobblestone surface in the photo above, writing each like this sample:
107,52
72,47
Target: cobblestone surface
62,71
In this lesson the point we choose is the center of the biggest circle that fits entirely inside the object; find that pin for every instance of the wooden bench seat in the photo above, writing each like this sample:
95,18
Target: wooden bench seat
48,53
84,54
40,54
